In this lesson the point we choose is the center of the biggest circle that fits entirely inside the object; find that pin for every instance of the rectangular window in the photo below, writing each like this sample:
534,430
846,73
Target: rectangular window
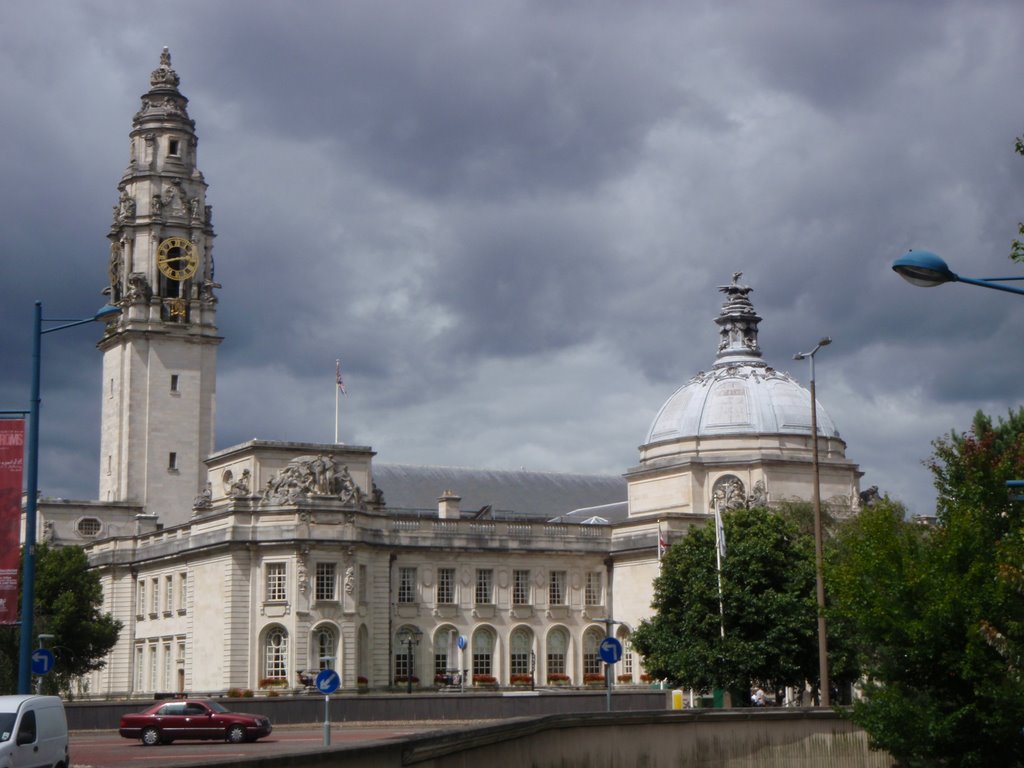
140,598
556,588
140,671
593,591
445,586
165,680
152,667
168,594
363,584
172,460
484,586
403,667
440,665
519,663
556,663
154,597
407,585
173,147
520,587
326,584
174,382
182,592
277,574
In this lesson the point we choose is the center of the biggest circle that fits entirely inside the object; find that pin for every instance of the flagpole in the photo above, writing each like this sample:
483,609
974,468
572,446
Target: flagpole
337,409
719,534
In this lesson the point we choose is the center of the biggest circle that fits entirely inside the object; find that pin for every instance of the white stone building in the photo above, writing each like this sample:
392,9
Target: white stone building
267,560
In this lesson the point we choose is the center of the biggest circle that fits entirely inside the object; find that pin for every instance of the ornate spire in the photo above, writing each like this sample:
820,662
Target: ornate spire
164,75
738,323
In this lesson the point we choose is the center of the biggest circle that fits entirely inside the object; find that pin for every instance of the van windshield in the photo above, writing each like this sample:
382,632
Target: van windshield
6,725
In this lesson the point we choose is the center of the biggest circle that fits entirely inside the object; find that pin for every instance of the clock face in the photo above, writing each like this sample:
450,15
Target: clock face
176,258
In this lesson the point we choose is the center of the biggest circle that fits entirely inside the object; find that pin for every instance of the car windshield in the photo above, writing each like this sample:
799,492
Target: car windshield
218,708
6,725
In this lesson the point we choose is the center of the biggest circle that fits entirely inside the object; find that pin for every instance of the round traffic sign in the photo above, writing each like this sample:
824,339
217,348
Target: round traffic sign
610,650
327,681
461,642
42,661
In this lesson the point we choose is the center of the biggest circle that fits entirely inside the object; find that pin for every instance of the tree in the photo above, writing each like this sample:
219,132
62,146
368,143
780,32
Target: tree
1017,247
68,601
769,608
936,613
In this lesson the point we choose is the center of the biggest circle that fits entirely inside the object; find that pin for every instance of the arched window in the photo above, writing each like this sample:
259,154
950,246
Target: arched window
325,648
483,652
275,656
627,654
591,656
406,640
446,653
520,644
558,646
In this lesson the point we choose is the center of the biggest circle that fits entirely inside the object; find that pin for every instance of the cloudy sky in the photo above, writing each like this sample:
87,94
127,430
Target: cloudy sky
509,219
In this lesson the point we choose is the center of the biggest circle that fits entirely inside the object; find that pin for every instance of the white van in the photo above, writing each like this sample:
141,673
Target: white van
33,732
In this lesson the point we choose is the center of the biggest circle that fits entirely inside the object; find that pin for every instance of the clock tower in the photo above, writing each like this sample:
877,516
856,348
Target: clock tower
160,355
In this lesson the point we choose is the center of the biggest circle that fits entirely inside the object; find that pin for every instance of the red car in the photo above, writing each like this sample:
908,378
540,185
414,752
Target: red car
167,721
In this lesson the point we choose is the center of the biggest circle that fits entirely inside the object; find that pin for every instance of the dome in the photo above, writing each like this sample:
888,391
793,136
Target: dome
741,394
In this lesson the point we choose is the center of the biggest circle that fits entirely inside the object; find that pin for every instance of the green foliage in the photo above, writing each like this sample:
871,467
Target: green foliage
769,608
68,601
937,611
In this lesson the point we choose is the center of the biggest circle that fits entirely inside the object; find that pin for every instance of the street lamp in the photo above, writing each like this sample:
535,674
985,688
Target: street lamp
819,570
926,270
28,577
409,637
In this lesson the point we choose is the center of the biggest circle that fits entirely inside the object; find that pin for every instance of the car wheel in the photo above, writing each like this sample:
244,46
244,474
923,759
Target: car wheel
151,737
236,734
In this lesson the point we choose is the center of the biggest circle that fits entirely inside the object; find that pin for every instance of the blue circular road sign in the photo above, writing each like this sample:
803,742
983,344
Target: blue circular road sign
610,650
461,642
42,661
327,681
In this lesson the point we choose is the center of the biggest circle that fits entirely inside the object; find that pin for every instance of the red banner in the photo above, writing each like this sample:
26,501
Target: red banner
12,458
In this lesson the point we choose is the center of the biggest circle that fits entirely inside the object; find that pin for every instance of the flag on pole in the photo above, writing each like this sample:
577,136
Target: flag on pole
662,543
338,379
719,532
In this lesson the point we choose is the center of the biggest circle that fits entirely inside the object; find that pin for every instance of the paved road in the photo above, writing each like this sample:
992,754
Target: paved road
107,749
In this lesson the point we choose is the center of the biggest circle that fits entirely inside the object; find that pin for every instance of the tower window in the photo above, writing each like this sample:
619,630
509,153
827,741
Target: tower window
174,382
172,460
174,148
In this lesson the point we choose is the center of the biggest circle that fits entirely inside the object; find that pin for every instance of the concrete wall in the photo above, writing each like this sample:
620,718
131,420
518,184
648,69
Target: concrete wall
749,738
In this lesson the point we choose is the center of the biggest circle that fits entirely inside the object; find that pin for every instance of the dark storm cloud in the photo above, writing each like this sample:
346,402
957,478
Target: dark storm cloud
510,219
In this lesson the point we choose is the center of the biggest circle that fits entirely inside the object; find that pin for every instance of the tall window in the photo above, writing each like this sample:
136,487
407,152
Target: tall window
442,639
165,680
152,667
558,644
520,587
592,594
627,654
168,594
591,656
276,654
277,585
445,586
407,585
140,597
154,597
326,653
484,586
556,588
483,652
519,652
326,581
182,591
140,672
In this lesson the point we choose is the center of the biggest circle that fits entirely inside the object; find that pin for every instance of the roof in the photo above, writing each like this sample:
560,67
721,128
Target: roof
509,493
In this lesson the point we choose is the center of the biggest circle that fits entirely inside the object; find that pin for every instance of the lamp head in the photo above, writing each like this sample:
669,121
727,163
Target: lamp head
923,269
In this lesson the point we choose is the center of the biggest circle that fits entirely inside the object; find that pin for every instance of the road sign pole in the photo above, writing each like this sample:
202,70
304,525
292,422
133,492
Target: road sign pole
327,720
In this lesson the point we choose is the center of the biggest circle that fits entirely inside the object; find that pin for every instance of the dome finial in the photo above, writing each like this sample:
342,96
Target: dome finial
164,75
738,324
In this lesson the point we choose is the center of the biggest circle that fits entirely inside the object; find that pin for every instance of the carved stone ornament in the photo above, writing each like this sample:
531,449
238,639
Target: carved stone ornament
203,500
139,290
728,493
164,75
312,476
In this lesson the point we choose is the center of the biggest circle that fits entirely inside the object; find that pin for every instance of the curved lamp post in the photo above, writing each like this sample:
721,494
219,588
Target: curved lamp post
927,270
819,570
28,578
